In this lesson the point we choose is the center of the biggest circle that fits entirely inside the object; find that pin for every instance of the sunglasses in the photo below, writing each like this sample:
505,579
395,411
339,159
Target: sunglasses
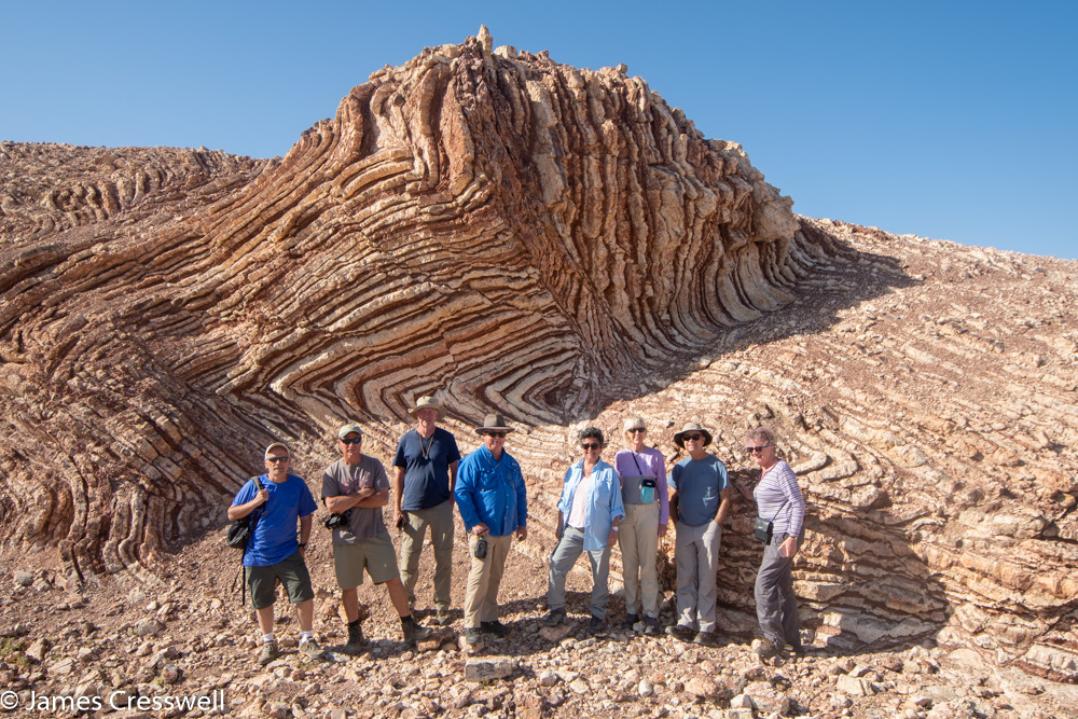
590,445
496,434
757,450
354,440
693,437
275,460
634,430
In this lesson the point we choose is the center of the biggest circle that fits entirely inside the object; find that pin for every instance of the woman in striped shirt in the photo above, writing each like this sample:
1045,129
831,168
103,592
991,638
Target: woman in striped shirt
778,500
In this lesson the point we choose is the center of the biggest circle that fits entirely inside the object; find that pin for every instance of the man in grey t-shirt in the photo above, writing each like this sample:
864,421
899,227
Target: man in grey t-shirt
356,487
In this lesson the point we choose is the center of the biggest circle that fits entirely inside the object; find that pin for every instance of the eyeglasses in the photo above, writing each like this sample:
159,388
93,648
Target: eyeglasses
693,437
354,440
757,450
634,430
590,445
500,435
275,460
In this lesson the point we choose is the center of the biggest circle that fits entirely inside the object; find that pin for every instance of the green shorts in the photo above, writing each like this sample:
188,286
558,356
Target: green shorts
374,554
262,582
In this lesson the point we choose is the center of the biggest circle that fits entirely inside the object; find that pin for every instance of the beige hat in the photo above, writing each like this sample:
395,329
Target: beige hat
273,446
679,438
426,402
634,423
493,423
349,428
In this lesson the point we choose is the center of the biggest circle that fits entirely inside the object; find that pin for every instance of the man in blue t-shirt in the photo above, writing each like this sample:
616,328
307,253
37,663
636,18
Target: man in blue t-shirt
701,495
426,463
274,501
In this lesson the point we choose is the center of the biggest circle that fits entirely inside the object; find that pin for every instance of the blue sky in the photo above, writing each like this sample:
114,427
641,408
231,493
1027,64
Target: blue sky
954,120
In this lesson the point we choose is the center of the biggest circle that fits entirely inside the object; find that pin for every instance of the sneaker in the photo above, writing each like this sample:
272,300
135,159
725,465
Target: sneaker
596,625
268,653
442,617
472,638
651,626
708,639
311,649
495,627
554,617
630,621
356,641
680,631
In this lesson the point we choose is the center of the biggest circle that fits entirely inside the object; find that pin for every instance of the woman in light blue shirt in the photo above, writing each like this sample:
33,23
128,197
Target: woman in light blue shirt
589,511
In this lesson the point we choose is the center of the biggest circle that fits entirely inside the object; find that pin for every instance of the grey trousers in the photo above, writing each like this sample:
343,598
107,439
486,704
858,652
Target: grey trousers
440,521
562,560
696,552
776,605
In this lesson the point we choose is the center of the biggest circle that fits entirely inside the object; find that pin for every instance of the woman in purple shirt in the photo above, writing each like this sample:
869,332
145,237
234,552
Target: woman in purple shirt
642,471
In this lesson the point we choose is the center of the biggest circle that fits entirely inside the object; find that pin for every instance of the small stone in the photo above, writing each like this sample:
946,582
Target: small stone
700,688
548,678
24,578
645,688
488,668
557,633
742,701
149,628
37,650
855,686
170,673
580,686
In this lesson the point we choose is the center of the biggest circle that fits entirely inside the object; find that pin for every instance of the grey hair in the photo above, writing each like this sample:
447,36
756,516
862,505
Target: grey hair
762,433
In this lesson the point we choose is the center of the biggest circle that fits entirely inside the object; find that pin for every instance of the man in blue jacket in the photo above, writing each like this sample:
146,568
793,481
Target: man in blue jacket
493,504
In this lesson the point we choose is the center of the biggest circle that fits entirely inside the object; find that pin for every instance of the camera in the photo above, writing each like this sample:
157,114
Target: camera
337,520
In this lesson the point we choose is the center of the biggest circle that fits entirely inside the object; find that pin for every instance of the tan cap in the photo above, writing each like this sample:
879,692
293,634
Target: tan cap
275,445
349,428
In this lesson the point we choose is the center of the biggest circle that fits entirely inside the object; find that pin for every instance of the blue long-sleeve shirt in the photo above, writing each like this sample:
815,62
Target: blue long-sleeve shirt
603,506
491,491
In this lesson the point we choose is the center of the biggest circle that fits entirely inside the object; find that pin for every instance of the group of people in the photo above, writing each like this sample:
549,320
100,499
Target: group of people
629,503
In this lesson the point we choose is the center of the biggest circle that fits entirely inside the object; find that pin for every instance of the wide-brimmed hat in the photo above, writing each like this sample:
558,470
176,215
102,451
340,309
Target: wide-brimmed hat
349,428
679,438
493,423
634,423
425,402
275,445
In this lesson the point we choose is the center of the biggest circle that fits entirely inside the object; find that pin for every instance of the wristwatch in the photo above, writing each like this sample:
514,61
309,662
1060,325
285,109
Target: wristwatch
301,544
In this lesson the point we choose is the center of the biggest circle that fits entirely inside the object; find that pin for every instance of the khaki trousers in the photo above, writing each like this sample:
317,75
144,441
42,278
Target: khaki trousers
484,577
440,521
638,537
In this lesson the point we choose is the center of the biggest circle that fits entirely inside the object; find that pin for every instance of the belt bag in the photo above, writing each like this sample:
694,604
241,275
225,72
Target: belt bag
762,529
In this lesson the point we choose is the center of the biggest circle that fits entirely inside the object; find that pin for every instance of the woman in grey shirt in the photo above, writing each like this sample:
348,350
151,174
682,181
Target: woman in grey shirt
778,500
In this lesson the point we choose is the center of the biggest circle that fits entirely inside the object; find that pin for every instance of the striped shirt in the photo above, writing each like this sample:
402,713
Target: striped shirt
776,488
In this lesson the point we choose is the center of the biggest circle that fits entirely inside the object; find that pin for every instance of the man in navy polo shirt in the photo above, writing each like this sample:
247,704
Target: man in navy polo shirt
426,463
275,501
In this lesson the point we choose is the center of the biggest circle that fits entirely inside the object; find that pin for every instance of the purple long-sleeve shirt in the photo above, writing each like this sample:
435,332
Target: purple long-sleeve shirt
651,464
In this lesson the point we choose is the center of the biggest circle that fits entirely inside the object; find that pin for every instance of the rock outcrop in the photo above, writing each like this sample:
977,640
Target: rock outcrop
559,245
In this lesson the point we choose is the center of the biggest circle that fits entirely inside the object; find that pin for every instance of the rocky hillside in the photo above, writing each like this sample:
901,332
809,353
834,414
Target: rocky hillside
558,244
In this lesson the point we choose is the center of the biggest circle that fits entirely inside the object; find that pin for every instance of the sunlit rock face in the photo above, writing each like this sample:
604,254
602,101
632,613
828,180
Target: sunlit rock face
559,245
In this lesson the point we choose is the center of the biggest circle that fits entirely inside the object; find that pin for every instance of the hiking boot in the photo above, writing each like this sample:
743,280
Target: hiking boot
630,621
708,639
442,616
495,627
596,625
268,653
766,649
356,641
651,626
554,617
413,631
472,638
311,649
680,631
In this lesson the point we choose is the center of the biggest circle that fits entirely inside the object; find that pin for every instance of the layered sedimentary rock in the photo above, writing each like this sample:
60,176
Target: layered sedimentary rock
560,245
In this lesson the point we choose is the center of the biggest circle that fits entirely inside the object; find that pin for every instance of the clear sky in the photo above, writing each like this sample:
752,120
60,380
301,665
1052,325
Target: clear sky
954,120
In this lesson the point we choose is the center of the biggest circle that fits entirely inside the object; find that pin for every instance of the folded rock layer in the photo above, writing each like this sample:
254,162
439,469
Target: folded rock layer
559,245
